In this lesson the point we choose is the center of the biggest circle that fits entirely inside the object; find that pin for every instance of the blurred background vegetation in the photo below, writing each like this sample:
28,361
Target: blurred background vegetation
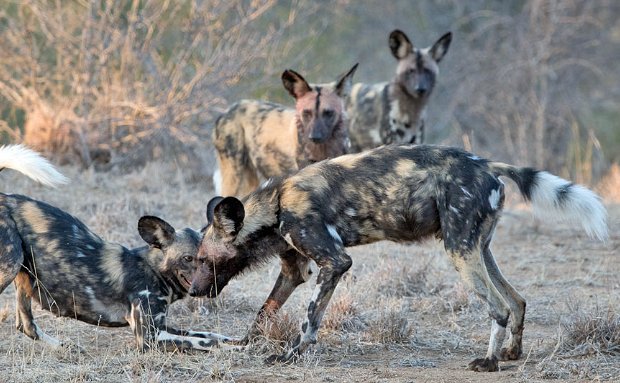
114,84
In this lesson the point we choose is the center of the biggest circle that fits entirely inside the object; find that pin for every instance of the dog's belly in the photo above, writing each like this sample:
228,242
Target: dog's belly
85,306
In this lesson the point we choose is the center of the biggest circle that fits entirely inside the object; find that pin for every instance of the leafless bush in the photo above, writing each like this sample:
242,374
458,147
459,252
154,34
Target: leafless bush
524,80
122,82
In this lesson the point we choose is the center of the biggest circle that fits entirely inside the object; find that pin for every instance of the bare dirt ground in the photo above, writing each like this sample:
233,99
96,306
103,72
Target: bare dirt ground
401,315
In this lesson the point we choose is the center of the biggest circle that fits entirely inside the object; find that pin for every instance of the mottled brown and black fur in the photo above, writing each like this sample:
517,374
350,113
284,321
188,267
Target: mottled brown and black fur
394,112
397,193
53,258
257,140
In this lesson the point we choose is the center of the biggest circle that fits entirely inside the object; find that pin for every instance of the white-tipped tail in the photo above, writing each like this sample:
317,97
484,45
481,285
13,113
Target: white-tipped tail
31,164
217,181
557,198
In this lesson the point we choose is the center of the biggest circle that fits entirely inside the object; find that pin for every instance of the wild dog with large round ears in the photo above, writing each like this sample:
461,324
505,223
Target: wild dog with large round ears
397,193
394,112
53,258
258,139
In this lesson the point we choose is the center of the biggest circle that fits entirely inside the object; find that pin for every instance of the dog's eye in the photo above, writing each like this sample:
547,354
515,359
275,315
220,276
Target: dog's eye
188,258
328,114
306,114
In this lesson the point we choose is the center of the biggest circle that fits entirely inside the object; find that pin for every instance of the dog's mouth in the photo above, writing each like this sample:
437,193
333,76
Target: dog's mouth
184,281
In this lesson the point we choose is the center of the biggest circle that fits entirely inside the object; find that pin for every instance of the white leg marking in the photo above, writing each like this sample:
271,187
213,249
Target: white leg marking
497,338
46,338
196,343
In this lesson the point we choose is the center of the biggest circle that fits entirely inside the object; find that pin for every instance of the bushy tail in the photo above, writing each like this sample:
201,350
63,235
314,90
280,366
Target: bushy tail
556,198
31,164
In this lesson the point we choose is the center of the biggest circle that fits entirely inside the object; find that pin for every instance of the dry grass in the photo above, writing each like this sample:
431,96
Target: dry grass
590,332
609,186
390,326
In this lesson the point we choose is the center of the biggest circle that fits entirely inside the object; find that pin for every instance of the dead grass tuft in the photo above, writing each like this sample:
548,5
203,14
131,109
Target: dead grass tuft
342,315
591,333
278,331
390,326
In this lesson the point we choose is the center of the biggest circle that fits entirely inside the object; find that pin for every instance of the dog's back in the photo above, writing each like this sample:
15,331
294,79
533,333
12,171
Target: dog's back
254,139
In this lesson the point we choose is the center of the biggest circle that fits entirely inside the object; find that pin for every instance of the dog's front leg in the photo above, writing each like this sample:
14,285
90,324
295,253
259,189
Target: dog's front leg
330,273
193,340
295,270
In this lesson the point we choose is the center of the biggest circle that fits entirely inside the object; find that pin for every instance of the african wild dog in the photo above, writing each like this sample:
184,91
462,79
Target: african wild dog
258,139
53,258
394,112
398,193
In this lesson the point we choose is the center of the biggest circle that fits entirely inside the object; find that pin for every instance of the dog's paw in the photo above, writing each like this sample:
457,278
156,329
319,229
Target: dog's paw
286,358
484,365
510,353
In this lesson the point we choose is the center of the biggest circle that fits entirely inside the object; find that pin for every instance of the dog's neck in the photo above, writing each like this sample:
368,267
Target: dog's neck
309,152
154,258
407,104
260,239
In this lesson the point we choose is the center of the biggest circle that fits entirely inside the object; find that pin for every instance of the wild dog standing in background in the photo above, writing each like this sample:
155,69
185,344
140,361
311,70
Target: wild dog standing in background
397,193
394,112
53,258
258,139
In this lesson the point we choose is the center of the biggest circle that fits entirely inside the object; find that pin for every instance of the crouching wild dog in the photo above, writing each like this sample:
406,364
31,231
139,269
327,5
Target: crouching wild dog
394,112
397,193
56,260
258,139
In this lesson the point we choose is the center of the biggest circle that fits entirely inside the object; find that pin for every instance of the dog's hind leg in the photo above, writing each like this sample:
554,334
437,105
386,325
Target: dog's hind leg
11,254
517,307
237,175
24,319
473,272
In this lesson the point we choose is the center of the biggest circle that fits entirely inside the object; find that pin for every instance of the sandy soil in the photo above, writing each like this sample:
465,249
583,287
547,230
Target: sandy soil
401,315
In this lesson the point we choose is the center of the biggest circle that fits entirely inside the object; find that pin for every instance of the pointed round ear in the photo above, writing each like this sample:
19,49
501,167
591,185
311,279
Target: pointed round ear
440,48
228,216
155,231
296,85
211,206
344,84
400,45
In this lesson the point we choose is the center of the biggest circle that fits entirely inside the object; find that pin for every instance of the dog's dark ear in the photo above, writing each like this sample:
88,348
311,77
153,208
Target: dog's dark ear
344,84
228,216
155,231
211,206
440,48
296,85
400,45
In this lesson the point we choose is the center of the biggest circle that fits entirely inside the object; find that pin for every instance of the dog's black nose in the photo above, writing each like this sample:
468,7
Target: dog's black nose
192,292
421,91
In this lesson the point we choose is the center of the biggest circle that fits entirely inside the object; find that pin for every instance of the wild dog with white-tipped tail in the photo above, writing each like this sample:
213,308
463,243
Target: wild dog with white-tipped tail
397,193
